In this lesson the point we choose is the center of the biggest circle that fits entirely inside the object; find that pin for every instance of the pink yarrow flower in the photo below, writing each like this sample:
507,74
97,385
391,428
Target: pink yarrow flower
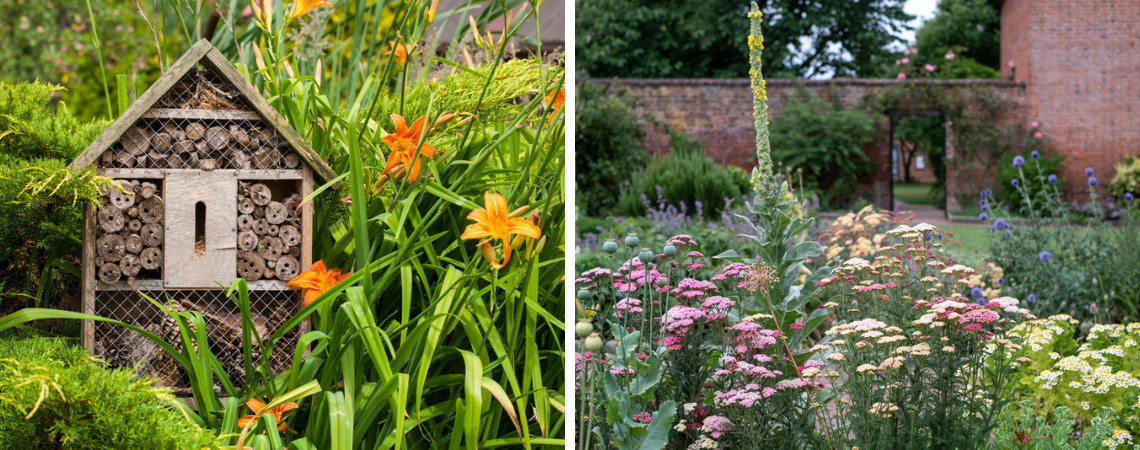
902,76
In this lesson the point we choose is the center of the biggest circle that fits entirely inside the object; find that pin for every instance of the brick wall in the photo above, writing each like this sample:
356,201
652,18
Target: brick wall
719,113
1079,61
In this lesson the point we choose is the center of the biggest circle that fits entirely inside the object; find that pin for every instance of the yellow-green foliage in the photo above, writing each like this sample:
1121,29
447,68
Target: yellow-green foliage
53,395
1127,178
42,208
459,92
1101,372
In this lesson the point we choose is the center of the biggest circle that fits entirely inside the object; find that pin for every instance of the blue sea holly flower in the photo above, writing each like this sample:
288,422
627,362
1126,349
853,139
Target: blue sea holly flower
1001,281
1018,161
1015,182
976,292
1045,256
1092,181
929,237
1035,155
1000,224
1005,207
1127,196
1030,298
1088,171
981,301
1052,179
982,216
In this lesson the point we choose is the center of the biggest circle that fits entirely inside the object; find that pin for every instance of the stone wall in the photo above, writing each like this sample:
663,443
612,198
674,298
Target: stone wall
719,113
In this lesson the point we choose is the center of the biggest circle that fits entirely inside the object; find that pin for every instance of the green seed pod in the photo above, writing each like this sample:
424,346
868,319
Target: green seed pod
632,241
610,246
584,294
670,251
584,327
645,256
594,342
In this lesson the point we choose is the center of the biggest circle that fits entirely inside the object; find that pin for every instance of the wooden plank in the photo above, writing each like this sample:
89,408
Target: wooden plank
218,264
140,106
306,239
271,174
121,285
87,281
221,66
199,114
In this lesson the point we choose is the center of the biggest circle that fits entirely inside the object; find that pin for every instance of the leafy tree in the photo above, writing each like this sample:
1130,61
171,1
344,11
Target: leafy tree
826,141
972,25
920,135
609,145
686,39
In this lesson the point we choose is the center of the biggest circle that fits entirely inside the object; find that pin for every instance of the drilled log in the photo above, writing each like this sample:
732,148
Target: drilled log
239,137
241,159
292,251
259,212
276,213
293,204
290,236
287,268
261,227
269,248
111,248
245,205
134,244
152,234
195,131
150,258
151,210
122,198
130,265
247,241
133,211
269,273
245,222
171,128
251,266
273,230
111,219
134,225
136,140
260,194
208,164
109,272
124,233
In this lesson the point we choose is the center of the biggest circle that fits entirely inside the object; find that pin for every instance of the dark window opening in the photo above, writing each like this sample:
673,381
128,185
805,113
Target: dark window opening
200,229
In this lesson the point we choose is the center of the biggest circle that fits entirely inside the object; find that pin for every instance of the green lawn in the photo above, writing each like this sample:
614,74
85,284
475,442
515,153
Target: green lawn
974,239
914,193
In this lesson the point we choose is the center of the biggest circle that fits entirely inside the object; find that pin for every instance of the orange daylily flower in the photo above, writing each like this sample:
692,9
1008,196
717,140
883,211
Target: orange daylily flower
558,100
317,281
495,223
402,52
403,144
257,406
302,7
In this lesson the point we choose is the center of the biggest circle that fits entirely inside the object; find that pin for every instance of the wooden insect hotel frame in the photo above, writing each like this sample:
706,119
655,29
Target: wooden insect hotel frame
211,180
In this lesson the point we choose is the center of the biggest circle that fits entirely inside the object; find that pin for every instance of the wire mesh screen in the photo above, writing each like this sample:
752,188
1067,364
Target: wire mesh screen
122,347
200,123
130,232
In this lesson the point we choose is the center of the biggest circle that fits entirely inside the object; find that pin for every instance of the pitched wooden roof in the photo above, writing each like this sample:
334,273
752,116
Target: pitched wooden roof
205,54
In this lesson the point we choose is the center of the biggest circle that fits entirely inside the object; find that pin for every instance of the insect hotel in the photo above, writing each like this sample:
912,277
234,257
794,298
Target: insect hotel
210,187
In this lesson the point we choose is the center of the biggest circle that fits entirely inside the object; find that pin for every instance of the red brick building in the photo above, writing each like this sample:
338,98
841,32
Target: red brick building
1080,62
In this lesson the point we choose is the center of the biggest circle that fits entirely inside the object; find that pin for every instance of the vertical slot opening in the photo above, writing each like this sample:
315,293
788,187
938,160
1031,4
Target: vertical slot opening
200,229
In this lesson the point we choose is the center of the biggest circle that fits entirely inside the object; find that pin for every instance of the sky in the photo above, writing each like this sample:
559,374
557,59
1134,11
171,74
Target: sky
922,10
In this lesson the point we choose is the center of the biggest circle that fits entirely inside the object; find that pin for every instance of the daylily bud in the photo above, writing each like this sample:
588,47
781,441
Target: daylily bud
429,14
257,55
317,76
488,253
475,31
289,69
